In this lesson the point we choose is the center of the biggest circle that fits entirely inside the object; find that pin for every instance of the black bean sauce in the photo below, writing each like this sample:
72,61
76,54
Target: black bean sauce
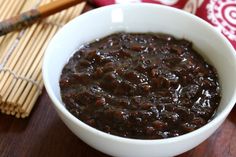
144,86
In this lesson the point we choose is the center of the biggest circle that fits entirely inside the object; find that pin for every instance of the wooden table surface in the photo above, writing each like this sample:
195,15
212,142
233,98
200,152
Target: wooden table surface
43,134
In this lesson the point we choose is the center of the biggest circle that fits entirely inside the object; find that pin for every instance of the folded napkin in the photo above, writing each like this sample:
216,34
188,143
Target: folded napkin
220,13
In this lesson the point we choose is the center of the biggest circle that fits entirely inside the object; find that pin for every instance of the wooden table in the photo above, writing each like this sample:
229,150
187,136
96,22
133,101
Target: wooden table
44,134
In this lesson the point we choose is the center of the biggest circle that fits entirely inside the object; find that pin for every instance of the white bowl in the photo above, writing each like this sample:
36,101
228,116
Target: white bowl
140,18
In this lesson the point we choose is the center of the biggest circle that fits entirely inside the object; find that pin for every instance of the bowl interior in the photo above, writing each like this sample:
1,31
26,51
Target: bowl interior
141,18
107,20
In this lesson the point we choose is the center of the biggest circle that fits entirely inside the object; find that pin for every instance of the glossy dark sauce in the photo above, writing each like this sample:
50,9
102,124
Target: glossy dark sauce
144,86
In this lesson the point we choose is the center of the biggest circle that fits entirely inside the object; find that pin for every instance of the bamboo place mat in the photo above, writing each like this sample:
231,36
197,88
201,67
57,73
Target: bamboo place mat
21,56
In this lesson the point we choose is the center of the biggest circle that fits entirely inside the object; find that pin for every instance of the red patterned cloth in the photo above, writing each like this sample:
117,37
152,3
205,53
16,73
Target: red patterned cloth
219,13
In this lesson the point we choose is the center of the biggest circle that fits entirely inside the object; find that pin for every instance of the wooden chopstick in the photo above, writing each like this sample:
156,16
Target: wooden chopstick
28,18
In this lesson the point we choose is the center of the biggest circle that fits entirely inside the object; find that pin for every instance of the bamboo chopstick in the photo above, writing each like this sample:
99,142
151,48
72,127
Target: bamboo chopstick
33,15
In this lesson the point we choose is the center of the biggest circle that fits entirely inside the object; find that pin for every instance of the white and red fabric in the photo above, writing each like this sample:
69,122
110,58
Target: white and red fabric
219,13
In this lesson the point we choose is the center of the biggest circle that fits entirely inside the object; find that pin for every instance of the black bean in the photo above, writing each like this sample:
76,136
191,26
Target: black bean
146,86
159,125
100,101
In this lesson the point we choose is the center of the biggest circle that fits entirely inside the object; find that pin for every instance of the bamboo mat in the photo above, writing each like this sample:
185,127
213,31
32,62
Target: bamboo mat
21,56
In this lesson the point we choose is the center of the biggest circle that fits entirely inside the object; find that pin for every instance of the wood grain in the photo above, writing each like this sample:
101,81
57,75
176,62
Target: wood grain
44,134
